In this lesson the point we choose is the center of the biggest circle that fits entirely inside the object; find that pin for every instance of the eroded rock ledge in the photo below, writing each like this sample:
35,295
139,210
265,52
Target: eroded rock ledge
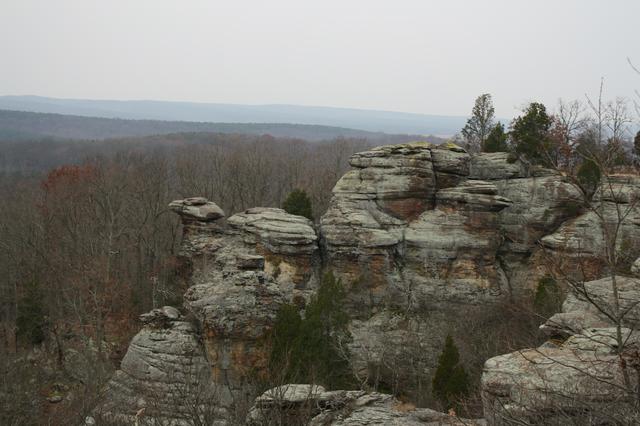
578,380
312,405
418,234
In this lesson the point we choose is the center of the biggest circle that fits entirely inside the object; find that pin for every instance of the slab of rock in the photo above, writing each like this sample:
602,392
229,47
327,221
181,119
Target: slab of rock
496,165
579,311
538,206
276,230
312,406
197,208
619,188
578,382
161,317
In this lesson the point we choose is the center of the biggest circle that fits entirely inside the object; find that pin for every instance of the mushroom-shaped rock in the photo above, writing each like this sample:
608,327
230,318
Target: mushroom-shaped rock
161,317
197,208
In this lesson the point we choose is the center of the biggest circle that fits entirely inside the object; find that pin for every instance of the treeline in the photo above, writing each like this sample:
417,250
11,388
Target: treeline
87,242
577,137
22,125
86,226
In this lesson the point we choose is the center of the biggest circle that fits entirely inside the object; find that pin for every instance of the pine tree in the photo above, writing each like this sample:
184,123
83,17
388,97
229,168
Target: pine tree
450,381
298,203
530,133
31,319
548,297
306,349
497,140
588,176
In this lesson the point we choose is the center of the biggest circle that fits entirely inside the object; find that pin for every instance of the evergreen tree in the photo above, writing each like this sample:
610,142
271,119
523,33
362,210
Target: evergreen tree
497,140
31,320
450,381
636,144
298,203
548,297
588,176
479,125
307,349
530,133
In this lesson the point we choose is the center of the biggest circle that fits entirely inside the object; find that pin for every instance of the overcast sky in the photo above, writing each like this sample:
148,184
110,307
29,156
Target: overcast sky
421,56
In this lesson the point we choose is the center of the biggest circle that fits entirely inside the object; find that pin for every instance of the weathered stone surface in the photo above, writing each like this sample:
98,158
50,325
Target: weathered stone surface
549,384
579,380
494,166
451,165
236,314
197,208
473,195
635,267
243,304
538,206
276,230
619,188
593,306
419,234
584,236
162,373
161,317
399,178
311,405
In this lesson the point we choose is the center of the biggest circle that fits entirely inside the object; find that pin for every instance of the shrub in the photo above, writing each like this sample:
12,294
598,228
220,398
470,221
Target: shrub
588,176
530,133
548,297
31,320
298,203
450,381
497,140
311,349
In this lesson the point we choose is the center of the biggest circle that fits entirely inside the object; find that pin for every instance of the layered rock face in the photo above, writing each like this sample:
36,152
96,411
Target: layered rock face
614,213
408,227
418,234
578,380
162,375
240,273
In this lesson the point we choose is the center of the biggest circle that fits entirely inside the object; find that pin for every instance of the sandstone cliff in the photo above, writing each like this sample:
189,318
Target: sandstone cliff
418,234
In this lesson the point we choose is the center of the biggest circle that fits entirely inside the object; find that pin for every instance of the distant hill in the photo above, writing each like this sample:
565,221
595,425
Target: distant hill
369,120
19,125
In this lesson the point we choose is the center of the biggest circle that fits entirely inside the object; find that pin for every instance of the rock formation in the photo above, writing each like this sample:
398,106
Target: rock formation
417,233
162,373
314,406
579,379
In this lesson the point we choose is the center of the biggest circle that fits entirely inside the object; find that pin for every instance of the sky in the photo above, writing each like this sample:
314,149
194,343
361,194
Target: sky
422,56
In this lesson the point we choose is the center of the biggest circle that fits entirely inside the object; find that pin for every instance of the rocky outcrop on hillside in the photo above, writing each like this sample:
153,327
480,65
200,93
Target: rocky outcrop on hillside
162,375
579,379
420,235
312,405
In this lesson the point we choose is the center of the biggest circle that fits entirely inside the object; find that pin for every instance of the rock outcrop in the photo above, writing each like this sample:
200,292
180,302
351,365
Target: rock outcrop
162,374
312,405
419,235
580,379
